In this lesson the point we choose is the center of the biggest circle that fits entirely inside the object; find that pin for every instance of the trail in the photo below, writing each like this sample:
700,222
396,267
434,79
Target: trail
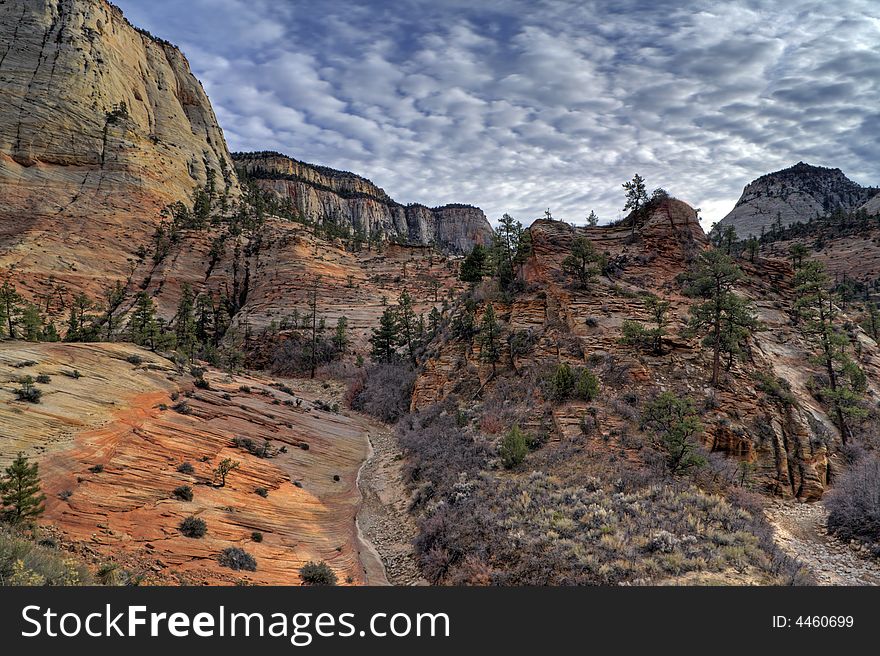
800,531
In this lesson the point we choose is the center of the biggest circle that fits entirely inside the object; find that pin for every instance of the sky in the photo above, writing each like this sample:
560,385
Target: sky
520,106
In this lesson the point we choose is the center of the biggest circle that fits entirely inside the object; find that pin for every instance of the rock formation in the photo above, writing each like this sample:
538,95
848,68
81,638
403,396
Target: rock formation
791,447
101,126
799,193
323,194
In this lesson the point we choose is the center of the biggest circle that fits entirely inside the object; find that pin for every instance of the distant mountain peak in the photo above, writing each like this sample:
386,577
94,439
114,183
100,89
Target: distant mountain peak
798,193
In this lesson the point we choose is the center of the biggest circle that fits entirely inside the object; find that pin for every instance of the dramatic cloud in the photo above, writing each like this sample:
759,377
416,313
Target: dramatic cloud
521,105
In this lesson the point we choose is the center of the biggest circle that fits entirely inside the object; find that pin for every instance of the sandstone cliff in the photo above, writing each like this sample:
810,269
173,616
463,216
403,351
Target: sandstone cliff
321,194
101,126
799,193
791,448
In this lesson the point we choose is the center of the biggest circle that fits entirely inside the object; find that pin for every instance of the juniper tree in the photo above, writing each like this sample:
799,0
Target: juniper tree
675,423
223,469
725,319
513,448
490,338
817,314
20,494
584,262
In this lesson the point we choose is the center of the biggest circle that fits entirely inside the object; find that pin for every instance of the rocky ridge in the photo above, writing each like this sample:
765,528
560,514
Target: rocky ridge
322,195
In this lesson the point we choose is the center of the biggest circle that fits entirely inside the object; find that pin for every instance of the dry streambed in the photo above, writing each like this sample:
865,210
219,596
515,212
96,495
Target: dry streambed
801,531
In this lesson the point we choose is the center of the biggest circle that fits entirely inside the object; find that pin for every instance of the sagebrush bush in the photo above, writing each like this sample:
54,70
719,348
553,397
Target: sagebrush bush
184,493
237,559
193,527
317,574
854,502
24,562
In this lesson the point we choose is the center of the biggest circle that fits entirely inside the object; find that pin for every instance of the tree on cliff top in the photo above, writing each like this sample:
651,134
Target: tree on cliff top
636,198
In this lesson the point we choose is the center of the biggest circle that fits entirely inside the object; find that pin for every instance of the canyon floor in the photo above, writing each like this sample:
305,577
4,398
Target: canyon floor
801,531
114,424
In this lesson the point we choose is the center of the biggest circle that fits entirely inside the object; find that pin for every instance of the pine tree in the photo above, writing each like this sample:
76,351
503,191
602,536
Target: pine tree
753,246
50,333
10,301
797,252
474,265
407,323
340,335
871,323
31,323
593,219
76,324
584,262
636,198
313,320
385,338
817,314
723,315
490,338
658,309
728,237
115,295
142,325
185,323
434,321
20,493
675,423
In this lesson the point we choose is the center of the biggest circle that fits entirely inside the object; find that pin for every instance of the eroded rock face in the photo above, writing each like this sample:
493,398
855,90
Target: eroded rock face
101,126
322,194
782,445
799,193
110,442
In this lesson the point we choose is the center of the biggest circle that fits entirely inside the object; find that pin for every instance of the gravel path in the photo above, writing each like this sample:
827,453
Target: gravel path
800,530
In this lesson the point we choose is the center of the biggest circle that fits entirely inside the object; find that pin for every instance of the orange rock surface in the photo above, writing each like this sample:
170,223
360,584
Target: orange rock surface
116,416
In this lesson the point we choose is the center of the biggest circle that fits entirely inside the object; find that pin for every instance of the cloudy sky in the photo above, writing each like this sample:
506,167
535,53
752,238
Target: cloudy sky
517,106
